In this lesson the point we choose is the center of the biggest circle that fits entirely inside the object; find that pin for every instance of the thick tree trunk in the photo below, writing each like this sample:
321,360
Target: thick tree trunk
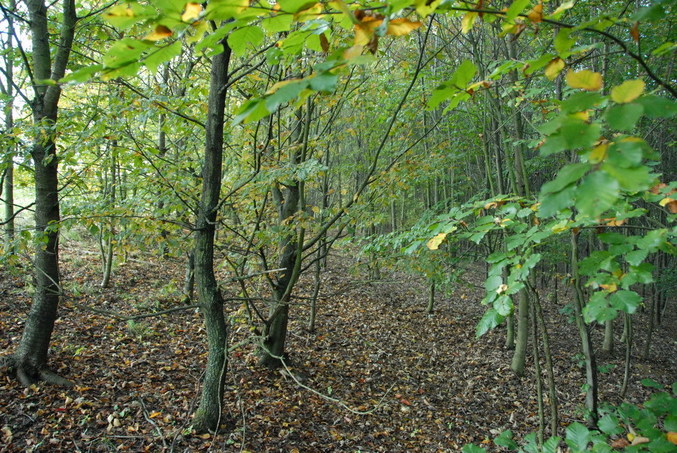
30,358
208,414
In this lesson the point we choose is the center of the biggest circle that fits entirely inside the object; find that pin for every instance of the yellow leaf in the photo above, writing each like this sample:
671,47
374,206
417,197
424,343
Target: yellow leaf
610,288
191,12
627,91
536,14
160,32
435,242
402,26
553,68
583,116
204,436
155,414
598,153
585,80
365,30
468,21
672,437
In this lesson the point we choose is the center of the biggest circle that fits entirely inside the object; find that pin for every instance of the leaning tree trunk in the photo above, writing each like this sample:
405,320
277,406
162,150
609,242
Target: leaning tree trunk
30,358
208,414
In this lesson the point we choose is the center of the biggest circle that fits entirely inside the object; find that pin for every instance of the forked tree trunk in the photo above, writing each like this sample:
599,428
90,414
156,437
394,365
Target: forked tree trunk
30,358
209,412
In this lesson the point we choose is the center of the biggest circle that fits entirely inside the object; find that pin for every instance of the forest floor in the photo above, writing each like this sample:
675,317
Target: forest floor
407,381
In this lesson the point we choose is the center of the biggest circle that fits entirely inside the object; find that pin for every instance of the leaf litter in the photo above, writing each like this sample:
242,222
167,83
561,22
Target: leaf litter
424,381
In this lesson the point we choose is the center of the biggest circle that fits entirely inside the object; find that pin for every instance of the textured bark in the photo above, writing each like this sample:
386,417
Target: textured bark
30,358
209,412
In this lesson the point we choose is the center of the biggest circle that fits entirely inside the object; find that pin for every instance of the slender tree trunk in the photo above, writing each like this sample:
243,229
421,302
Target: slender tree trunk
586,341
209,412
519,357
431,297
8,182
30,358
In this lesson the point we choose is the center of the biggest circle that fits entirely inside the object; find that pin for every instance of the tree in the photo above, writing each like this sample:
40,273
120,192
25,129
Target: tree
30,358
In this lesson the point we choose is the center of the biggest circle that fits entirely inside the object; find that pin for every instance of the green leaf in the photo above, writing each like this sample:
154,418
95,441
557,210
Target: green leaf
670,423
553,203
455,86
294,6
662,404
285,93
658,107
125,51
503,305
277,23
552,445
505,440
515,9
565,177
162,55
630,179
580,134
82,74
652,384
636,257
597,193
563,42
490,319
627,301
624,117
609,425
324,82
597,309
577,437
581,101
492,283
245,39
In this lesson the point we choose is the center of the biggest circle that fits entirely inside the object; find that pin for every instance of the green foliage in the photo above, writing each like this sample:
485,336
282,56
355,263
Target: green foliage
646,428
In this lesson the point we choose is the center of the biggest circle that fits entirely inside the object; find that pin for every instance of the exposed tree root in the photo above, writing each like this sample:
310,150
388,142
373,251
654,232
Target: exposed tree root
27,374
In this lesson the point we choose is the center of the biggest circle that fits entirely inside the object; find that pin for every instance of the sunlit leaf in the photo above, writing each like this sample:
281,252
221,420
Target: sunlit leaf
627,91
468,21
191,12
585,80
159,33
434,243
553,68
402,26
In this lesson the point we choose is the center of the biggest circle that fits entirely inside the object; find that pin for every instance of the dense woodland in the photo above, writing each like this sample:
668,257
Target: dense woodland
416,225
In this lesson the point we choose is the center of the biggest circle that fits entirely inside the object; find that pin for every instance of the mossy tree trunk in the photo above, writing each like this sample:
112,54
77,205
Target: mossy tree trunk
208,415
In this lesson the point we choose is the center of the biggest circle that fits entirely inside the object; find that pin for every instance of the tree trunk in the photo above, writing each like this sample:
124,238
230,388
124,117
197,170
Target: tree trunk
519,356
30,358
7,190
208,414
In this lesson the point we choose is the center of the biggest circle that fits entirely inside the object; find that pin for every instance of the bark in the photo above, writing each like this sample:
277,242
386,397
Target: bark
586,341
7,190
208,414
30,358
